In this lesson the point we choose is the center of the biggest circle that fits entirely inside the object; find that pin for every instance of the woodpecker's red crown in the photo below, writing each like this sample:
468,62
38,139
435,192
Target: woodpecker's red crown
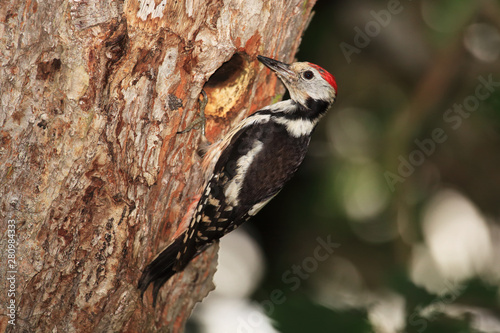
325,75
305,82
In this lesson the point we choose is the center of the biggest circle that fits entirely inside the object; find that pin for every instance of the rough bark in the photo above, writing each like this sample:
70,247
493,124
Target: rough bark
92,171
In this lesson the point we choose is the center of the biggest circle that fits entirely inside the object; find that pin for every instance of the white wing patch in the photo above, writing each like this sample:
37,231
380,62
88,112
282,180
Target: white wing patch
215,150
258,206
297,127
254,119
232,190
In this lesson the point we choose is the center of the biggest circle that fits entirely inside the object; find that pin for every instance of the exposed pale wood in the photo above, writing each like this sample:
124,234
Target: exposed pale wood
91,168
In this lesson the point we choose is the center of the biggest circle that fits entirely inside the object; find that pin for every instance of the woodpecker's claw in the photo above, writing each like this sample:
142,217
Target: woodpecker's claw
201,119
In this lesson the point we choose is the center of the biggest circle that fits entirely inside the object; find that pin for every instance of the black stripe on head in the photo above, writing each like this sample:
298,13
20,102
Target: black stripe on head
316,107
313,109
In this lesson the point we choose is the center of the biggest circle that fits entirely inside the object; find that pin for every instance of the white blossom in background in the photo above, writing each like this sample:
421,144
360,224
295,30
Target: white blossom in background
425,273
387,314
483,42
457,236
338,285
228,309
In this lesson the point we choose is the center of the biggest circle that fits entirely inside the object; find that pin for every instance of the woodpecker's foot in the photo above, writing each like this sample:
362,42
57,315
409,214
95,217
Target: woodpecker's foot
201,120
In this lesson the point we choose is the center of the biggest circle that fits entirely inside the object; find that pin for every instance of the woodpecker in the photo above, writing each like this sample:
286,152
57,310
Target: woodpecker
251,164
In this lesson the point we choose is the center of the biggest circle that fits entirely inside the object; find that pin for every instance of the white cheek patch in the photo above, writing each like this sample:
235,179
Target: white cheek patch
323,93
232,190
298,96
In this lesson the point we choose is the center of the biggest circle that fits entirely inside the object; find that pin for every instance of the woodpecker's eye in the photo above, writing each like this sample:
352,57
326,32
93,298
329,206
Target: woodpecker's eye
308,75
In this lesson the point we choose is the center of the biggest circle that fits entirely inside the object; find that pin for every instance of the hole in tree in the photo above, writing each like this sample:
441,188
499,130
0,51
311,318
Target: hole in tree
227,73
227,91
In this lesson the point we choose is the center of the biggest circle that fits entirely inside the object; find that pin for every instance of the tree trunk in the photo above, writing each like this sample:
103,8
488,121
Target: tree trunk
94,179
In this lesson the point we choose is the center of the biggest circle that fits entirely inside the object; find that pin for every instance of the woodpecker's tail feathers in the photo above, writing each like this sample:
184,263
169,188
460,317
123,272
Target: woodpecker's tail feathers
161,269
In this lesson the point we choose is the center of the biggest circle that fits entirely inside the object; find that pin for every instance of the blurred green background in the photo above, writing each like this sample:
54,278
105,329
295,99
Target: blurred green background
402,176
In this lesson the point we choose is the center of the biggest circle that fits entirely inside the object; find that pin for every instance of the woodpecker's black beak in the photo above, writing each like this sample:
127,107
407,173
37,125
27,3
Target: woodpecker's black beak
276,66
